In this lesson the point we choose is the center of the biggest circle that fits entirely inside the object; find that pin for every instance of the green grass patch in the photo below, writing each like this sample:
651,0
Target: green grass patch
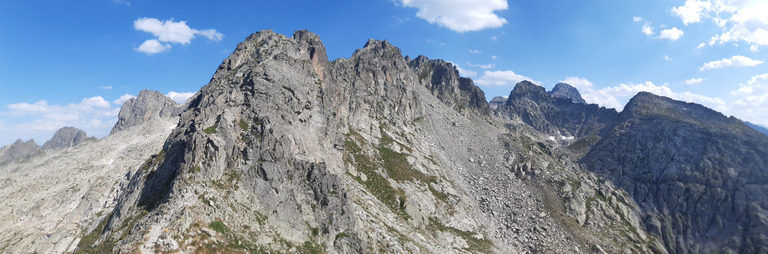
210,130
376,184
195,169
219,226
243,125
475,244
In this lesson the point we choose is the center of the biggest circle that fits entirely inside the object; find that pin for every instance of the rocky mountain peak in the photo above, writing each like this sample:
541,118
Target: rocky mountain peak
566,91
18,150
528,90
65,137
149,104
497,101
531,104
443,80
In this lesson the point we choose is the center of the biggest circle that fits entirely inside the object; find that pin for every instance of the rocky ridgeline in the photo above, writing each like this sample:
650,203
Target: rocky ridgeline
66,137
286,151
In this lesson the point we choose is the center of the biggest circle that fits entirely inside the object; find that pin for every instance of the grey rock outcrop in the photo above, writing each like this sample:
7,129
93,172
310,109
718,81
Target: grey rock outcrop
66,137
443,80
532,105
149,104
698,176
284,151
18,150
566,91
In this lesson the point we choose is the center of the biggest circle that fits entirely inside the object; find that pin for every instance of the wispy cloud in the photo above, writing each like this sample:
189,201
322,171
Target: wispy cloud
460,15
501,78
39,120
735,61
617,96
474,51
169,32
693,81
481,66
752,102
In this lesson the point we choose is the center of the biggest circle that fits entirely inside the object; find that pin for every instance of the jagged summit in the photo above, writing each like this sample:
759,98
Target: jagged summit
66,137
566,91
531,104
149,104
443,80
18,150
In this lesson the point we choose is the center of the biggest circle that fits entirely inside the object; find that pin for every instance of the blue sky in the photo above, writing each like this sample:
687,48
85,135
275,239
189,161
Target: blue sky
72,63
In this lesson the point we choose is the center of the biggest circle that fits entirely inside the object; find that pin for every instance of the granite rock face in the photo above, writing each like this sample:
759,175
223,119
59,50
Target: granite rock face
443,80
66,137
148,105
566,91
284,151
698,176
557,116
19,150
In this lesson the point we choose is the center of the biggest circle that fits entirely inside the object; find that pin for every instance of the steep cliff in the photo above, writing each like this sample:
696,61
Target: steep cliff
698,176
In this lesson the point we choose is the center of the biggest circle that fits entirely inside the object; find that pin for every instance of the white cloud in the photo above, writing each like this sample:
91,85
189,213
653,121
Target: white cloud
637,19
667,58
123,99
460,15
692,11
735,61
617,96
474,51
494,57
179,97
153,47
501,78
647,29
753,99
739,20
481,66
39,120
169,31
106,87
671,34
693,81
578,83
466,73
494,38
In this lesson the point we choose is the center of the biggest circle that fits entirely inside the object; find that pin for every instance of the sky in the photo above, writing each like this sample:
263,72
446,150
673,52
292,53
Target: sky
73,63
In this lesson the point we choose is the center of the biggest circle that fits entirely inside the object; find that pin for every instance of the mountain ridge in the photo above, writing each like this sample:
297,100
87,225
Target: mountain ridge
286,151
